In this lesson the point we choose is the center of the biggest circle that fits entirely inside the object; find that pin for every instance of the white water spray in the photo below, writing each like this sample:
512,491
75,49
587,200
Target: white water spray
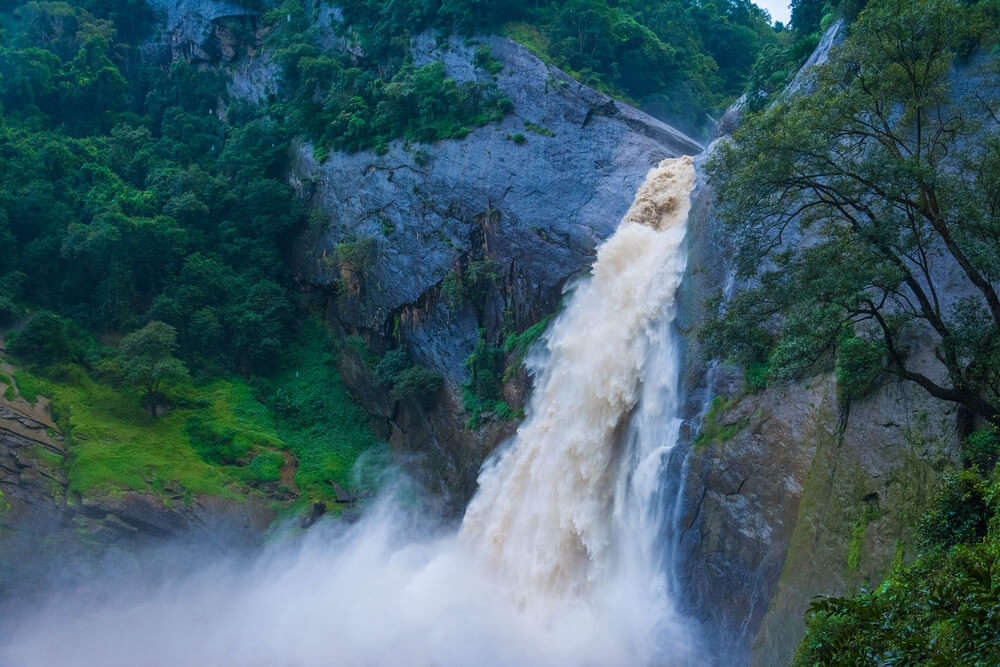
556,562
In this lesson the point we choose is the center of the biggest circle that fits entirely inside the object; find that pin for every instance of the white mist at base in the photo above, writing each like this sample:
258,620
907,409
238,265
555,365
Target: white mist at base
557,561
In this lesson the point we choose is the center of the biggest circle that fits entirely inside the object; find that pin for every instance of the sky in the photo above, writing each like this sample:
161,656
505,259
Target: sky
778,8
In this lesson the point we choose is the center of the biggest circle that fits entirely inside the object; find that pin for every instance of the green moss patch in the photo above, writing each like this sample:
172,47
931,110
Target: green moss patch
713,429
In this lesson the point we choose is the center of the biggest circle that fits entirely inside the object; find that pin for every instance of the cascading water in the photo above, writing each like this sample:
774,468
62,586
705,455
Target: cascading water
563,511
558,560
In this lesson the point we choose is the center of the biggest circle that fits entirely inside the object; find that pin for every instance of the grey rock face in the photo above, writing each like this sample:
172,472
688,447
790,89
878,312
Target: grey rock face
187,25
811,496
537,209
805,78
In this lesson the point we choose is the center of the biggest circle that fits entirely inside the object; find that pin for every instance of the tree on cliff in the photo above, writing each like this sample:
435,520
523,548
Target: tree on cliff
854,205
146,360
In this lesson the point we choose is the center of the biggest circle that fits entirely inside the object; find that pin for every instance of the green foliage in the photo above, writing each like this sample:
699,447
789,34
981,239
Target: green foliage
682,59
9,310
859,365
408,380
11,283
484,59
518,138
218,447
939,610
538,129
391,365
28,386
503,411
959,514
266,467
218,438
317,418
364,352
869,514
484,386
807,14
470,285
44,339
518,345
350,103
981,449
145,360
127,199
114,445
839,227
418,382
358,254
757,375
713,429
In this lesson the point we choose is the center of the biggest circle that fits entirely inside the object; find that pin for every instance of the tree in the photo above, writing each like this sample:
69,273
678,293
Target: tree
43,340
806,15
146,360
855,204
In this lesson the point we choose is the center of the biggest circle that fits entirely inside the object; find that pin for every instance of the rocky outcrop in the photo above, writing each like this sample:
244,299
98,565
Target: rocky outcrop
802,495
537,208
531,197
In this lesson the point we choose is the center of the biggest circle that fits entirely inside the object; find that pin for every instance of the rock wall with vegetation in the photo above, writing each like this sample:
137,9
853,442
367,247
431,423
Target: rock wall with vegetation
820,481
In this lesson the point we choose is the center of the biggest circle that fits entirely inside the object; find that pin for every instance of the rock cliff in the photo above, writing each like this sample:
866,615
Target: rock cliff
792,492
534,194
530,197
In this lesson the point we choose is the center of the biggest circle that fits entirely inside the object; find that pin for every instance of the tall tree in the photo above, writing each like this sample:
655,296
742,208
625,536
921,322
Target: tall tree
146,359
856,203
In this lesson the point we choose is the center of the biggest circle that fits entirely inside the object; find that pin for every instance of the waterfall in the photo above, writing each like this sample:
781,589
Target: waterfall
558,560
563,510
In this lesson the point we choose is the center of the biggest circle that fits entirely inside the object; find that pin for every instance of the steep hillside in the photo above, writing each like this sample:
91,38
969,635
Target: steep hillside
814,486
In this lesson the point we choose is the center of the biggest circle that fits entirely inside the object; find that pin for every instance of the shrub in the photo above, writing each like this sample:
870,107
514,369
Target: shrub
757,375
391,365
538,129
215,447
44,340
417,382
959,514
503,411
981,449
484,59
9,310
266,467
859,364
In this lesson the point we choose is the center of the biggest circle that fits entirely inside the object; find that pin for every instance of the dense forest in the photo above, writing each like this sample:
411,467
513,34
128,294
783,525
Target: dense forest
138,198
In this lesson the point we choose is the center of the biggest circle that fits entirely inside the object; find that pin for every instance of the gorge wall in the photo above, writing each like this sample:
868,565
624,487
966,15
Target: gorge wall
793,492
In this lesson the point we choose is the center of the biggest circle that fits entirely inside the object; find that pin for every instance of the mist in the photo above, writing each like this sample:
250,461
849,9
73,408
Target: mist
393,587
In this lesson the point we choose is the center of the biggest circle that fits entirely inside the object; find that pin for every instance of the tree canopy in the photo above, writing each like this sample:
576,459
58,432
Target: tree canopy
854,205
128,194
146,360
